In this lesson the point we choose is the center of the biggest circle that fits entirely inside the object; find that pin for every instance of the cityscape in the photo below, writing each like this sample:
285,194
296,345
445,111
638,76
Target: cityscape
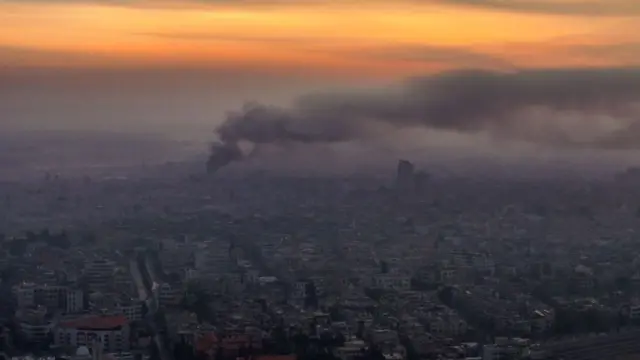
319,180
285,267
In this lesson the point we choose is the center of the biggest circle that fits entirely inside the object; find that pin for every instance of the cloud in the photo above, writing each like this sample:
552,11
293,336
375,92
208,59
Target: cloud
417,53
570,108
623,51
26,57
203,36
452,56
559,7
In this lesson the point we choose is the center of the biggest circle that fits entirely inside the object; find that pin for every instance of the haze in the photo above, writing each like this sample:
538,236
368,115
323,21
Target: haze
176,68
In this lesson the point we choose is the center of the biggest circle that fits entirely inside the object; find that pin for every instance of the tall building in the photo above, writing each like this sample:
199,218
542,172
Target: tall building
404,176
421,180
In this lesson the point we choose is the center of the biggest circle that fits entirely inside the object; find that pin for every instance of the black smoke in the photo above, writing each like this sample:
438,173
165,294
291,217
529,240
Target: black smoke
588,108
222,154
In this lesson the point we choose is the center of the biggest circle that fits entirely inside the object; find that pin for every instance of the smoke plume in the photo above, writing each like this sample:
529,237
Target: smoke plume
593,108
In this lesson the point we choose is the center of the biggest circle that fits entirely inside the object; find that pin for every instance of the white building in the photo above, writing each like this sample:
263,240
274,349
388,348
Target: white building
112,332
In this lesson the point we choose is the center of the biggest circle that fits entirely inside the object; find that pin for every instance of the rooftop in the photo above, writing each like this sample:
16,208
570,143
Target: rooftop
96,322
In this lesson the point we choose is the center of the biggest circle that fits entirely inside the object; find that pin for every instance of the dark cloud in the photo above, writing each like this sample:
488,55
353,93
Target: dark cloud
590,108
621,51
560,7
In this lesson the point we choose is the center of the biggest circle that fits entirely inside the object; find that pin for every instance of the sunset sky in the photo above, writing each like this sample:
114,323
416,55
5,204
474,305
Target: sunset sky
355,37
177,65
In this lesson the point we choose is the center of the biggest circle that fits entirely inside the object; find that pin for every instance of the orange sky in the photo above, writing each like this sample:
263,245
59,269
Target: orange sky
365,37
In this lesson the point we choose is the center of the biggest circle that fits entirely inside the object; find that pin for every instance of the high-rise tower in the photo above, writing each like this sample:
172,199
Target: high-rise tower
404,176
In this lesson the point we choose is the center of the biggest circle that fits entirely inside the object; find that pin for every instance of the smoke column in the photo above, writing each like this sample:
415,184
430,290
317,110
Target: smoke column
592,108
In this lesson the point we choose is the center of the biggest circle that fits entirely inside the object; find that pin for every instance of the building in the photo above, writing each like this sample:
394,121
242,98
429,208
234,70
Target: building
351,349
29,294
634,311
36,330
112,332
506,348
99,268
212,259
405,176
132,311
53,297
99,274
34,324
25,295
168,295
74,301
208,344
421,182
391,282
605,346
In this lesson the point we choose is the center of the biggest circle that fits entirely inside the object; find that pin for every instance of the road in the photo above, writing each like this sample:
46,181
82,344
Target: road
138,280
139,271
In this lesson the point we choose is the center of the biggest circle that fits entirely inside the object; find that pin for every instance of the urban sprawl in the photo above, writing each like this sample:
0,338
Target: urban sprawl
271,267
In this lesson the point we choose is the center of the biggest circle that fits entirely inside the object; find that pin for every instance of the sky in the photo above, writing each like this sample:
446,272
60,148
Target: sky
178,66
355,38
